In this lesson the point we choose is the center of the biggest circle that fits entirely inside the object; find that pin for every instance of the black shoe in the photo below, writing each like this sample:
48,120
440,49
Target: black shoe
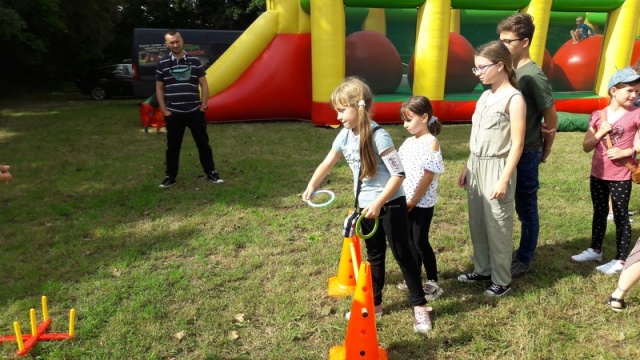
518,268
497,290
473,277
213,177
168,181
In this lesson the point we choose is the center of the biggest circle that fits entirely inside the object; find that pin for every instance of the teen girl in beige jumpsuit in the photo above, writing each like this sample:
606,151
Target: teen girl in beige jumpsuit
497,138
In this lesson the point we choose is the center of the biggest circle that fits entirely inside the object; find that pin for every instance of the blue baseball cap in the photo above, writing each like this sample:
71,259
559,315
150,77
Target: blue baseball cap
625,75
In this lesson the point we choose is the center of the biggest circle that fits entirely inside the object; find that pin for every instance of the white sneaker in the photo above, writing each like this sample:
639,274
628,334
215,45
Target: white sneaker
403,286
587,255
611,268
377,309
422,322
432,290
610,216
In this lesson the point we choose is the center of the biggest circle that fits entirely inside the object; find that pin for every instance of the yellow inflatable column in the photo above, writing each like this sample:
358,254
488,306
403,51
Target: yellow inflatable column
327,52
619,39
291,18
376,21
432,47
454,27
540,10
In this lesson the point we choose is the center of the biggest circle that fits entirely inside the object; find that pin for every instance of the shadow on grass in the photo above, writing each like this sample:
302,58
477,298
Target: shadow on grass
551,264
411,350
80,214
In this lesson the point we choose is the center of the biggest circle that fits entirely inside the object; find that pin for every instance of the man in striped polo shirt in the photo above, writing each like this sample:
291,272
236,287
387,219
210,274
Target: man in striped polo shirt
178,77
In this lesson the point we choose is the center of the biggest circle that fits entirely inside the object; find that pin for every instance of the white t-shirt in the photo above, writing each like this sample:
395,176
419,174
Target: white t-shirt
417,156
349,145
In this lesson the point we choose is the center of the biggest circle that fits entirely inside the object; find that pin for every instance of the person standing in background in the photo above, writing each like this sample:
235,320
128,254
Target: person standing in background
611,137
516,33
177,79
421,156
496,142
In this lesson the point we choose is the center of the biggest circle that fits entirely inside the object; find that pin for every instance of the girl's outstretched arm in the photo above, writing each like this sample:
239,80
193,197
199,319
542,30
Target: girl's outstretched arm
321,172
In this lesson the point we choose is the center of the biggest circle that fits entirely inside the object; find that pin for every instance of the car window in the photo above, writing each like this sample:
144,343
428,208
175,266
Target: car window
119,70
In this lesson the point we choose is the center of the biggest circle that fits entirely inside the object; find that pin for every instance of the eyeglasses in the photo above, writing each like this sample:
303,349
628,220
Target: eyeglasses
509,41
481,69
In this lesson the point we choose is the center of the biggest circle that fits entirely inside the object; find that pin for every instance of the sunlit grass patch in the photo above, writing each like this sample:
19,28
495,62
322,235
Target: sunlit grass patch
240,270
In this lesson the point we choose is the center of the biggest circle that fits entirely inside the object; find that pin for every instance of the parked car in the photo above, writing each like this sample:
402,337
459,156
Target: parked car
108,80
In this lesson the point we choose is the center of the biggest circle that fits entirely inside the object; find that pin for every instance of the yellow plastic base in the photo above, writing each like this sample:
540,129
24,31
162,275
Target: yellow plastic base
340,353
336,289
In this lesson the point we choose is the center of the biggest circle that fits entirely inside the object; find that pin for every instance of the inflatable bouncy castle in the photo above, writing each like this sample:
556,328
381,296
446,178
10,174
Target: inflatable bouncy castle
285,65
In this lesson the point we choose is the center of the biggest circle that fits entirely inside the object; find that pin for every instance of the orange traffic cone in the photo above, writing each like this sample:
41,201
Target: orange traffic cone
361,341
344,283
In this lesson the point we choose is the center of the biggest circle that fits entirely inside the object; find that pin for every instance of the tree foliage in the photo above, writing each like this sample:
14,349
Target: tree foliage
60,39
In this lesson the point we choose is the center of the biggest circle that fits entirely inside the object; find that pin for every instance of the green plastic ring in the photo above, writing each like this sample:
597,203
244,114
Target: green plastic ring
359,227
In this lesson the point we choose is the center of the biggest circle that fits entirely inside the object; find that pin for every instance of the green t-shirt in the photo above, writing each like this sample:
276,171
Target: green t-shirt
535,89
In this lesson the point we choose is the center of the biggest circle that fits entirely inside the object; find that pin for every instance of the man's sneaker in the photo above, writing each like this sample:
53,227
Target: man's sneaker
612,267
214,177
432,290
587,255
518,268
402,286
473,277
422,322
168,181
377,309
497,290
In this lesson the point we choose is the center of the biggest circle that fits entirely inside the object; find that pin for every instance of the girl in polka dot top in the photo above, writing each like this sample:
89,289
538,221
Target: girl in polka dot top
422,160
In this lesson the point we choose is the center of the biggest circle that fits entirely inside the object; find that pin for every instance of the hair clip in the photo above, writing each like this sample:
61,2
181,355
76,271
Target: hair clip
432,120
361,103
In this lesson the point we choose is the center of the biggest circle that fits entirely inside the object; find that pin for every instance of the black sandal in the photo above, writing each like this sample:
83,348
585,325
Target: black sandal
612,300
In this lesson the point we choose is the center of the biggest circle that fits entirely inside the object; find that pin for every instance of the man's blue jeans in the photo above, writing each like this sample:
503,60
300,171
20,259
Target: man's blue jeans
527,186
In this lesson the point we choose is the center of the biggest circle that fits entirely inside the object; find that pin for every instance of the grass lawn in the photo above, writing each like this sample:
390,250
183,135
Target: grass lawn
239,270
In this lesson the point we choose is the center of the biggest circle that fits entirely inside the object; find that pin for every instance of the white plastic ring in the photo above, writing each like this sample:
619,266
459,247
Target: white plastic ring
328,192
